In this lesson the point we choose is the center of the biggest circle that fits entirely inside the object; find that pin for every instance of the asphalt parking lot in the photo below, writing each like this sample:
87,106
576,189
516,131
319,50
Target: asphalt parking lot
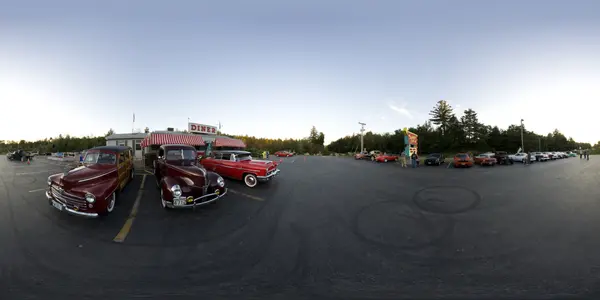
327,227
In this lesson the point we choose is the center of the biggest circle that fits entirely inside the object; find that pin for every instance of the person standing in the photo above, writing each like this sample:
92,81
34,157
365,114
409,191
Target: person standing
413,160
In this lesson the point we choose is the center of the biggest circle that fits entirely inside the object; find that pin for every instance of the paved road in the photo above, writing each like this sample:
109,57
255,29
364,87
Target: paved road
326,228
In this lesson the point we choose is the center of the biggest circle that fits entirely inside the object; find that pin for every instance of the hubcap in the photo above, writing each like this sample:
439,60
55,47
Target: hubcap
250,180
111,203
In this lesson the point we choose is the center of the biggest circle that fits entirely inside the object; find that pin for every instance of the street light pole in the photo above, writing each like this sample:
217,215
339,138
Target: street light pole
522,146
362,134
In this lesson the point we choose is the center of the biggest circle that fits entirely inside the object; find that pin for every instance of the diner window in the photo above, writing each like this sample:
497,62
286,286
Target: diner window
138,145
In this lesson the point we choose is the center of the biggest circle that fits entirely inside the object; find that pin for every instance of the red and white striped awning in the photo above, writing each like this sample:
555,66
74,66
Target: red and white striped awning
228,142
169,138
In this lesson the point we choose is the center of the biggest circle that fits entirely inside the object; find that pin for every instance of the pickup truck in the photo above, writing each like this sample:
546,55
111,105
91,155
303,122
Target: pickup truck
19,155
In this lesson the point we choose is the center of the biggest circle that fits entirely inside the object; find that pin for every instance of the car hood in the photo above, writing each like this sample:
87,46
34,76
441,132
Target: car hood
86,173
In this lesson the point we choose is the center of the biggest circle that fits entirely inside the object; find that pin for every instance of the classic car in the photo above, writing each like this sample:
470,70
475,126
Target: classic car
19,155
463,160
502,158
362,155
386,157
91,190
485,159
284,154
239,165
183,183
434,159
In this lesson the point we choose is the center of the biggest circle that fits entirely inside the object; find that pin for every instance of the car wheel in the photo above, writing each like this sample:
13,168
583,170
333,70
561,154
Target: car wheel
250,180
162,201
110,206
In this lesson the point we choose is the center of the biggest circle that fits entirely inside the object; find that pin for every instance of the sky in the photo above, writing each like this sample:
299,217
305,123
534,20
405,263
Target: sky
277,68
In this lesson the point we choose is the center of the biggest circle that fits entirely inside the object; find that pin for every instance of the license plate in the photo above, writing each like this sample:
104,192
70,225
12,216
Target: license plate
179,202
57,205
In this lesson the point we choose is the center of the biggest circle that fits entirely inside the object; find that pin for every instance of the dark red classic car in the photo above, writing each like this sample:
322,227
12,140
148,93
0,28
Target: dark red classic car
91,190
239,165
182,181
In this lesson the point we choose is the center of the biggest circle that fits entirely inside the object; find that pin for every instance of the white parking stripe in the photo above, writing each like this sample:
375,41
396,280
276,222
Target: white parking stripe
30,173
38,190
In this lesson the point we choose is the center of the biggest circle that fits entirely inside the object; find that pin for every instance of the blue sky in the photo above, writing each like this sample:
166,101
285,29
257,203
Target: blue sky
276,68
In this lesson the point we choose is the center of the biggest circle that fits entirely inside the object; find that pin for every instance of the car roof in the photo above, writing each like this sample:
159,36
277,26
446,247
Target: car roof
111,148
177,146
232,152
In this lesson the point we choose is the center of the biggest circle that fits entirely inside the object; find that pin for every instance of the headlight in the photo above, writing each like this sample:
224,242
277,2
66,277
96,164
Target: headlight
49,181
221,182
176,190
90,198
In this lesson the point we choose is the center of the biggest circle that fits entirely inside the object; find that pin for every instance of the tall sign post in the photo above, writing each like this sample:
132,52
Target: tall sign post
362,135
411,143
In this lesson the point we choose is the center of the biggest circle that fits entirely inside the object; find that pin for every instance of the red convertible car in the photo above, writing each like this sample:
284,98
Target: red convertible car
91,190
182,181
239,165
386,157
284,154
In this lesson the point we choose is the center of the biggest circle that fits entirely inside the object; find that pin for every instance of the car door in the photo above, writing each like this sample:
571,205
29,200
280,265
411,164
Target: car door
224,165
122,170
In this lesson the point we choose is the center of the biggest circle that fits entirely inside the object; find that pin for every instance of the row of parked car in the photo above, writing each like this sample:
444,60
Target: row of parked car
469,160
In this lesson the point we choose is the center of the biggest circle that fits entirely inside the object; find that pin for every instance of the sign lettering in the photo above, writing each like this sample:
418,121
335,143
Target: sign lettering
202,128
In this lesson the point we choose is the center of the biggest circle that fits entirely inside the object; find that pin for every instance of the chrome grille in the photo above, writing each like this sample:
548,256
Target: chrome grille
68,199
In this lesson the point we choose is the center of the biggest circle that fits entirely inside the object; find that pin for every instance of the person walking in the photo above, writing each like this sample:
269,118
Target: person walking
403,159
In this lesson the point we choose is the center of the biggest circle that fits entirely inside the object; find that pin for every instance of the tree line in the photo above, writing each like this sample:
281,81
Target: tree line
445,132
312,144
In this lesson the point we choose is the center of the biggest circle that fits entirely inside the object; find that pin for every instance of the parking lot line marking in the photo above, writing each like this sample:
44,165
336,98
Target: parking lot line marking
246,195
29,173
38,190
129,222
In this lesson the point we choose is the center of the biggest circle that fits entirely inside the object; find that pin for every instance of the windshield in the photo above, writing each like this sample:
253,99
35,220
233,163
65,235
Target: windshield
462,156
103,158
435,155
181,154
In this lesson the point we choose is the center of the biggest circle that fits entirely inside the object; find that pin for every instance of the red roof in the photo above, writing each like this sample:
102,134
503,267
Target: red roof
228,142
170,138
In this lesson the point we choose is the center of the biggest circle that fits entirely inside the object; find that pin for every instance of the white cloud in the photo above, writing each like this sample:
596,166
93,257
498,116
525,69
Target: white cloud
401,110
457,105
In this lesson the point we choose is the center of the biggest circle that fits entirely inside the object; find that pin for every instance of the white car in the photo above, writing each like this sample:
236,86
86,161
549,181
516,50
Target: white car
541,156
521,157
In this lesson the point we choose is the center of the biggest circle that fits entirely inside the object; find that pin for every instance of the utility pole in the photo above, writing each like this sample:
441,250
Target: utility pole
522,144
362,135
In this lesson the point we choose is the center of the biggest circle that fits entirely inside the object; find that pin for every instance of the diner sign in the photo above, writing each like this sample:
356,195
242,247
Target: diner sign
202,128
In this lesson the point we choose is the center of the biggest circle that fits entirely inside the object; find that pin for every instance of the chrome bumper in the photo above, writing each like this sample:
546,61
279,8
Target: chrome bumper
70,211
194,204
266,178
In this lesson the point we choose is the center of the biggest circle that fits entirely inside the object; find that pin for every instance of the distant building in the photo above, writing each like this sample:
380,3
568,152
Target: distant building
132,140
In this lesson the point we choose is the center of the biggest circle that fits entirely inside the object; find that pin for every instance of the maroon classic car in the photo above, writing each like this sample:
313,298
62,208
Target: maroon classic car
182,181
92,189
239,165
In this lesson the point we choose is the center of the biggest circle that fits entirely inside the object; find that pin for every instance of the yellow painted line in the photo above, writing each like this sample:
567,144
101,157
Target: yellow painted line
246,195
127,226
